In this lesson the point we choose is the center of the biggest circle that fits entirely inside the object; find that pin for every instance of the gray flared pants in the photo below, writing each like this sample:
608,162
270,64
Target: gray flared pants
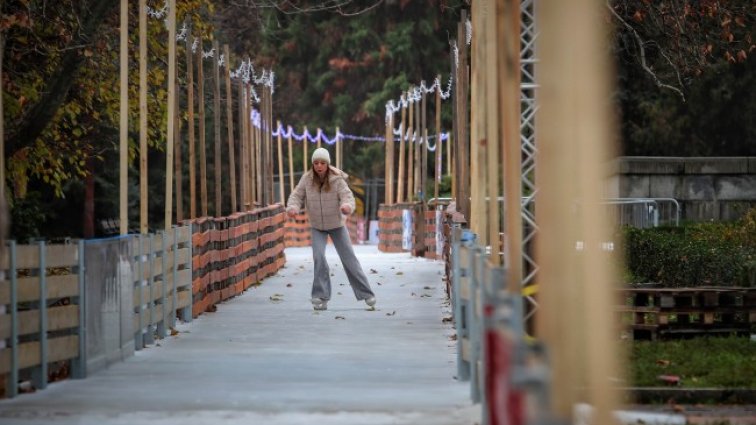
321,284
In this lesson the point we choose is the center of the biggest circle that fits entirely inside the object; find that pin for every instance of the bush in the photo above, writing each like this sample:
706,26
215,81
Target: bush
701,254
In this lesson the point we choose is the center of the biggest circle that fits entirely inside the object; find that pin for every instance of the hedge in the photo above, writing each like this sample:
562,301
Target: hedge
701,254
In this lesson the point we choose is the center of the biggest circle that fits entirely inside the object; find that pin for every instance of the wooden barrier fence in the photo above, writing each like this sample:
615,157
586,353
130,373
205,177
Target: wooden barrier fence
390,228
41,294
143,286
298,230
235,252
162,279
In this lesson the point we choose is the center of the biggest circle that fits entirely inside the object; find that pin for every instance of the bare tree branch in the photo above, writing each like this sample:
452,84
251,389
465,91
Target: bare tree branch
367,9
644,65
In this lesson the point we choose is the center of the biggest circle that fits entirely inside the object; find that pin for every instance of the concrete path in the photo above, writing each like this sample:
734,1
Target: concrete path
266,357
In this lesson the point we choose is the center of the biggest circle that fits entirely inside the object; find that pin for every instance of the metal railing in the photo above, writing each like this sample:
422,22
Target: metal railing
493,353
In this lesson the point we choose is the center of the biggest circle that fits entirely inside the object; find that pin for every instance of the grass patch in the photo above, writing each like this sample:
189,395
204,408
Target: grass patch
713,362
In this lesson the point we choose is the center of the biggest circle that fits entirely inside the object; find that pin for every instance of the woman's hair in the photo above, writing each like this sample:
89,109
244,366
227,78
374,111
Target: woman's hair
323,184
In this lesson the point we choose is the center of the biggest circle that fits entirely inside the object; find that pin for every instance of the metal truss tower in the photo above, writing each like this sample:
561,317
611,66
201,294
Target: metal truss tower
528,86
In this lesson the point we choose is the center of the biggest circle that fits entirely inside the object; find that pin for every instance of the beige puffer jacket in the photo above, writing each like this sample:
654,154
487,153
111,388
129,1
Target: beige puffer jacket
323,208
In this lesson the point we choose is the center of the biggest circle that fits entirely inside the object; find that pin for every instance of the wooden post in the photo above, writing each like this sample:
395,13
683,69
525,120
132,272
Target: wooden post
178,159
439,147
417,175
508,33
2,132
259,155
478,142
389,173
410,149
402,137
491,127
217,127
304,146
143,154
123,144
423,164
575,131
244,146
230,129
190,127
269,143
169,137
291,160
462,154
338,144
282,197
202,144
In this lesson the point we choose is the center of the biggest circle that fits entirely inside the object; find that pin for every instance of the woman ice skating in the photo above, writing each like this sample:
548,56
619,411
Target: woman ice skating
326,194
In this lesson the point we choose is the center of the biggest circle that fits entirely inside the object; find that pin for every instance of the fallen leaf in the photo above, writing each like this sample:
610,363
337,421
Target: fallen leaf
399,273
339,293
276,298
289,285
373,271
340,318
427,287
379,283
174,332
425,296
414,294
446,320
391,314
392,268
663,363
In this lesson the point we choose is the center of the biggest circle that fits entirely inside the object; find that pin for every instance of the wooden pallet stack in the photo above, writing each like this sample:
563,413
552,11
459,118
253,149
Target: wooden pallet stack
654,313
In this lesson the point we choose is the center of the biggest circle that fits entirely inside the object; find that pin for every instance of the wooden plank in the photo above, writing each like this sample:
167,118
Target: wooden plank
400,175
190,125
157,266
63,317
123,126
184,235
282,194
410,149
170,132
143,149
178,160
217,131
230,130
202,135
183,299
62,348
145,299
28,288
27,256
183,256
183,278
157,291
291,160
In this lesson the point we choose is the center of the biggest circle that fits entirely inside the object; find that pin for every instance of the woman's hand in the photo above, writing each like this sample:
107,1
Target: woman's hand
291,212
346,209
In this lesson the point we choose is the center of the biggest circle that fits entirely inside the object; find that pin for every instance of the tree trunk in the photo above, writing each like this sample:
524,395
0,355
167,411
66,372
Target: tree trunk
36,120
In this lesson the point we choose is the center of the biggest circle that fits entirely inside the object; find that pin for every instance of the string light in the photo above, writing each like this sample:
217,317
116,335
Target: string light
158,14
246,72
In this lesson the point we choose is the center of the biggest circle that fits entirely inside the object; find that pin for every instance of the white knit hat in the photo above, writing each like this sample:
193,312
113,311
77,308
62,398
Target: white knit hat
321,154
